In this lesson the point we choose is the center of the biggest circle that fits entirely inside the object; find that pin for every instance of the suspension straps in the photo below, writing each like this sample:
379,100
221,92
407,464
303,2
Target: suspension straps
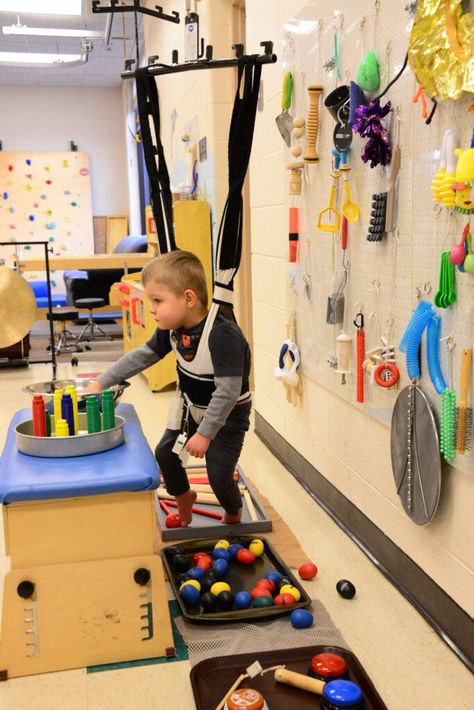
229,243
161,202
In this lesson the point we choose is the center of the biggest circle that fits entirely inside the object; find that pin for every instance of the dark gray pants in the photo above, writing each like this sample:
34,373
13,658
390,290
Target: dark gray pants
221,459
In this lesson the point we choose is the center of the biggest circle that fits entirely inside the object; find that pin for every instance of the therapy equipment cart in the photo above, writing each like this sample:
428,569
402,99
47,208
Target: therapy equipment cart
85,587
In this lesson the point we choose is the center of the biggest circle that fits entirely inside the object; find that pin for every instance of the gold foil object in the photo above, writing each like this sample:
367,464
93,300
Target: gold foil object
430,52
17,307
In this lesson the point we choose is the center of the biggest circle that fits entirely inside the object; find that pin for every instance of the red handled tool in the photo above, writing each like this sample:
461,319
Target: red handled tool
293,235
344,232
199,511
359,324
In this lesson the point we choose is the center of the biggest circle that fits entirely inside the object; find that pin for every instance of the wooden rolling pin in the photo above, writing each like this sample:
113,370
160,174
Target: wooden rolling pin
205,498
205,488
312,124
298,680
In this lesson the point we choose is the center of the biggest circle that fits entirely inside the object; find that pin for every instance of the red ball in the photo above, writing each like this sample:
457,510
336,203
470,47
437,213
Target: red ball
284,599
173,520
260,592
198,555
266,584
246,557
308,570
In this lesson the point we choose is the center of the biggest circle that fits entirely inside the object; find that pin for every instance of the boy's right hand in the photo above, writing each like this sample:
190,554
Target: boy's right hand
93,387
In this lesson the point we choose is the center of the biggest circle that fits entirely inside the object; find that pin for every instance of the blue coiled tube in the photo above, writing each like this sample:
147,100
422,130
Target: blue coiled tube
422,307
416,328
432,354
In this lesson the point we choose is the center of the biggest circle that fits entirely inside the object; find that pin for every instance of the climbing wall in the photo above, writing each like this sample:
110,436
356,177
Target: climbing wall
46,196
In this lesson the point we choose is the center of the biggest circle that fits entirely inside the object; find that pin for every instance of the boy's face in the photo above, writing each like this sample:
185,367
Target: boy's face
169,310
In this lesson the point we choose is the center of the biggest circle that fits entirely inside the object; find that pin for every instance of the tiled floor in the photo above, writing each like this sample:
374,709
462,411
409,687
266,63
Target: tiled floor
409,665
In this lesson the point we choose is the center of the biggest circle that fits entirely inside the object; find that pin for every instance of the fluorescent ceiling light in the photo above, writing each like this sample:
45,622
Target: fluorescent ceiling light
49,32
37,59
43,7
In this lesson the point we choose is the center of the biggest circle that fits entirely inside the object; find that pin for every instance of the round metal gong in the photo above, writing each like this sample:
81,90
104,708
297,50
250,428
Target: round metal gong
17,307
416,459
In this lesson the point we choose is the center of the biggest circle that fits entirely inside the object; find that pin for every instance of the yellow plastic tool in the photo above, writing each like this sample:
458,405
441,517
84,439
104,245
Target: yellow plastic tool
350,210
329,218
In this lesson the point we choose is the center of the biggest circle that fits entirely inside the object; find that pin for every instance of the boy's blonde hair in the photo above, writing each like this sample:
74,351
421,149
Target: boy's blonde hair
178,270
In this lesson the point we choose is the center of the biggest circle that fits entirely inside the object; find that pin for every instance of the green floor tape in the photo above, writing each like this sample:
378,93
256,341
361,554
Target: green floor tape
180,646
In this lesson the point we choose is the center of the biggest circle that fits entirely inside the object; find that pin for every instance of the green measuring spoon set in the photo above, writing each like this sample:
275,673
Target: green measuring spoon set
445,296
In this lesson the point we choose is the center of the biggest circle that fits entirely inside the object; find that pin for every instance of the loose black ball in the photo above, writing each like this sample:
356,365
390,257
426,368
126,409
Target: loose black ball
181,563
226,600
209,602
346,589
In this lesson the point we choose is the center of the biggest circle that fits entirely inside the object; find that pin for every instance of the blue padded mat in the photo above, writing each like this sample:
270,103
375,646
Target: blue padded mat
129,467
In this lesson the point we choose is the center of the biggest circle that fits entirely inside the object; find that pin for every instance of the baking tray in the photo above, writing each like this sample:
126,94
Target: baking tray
82,444
240,578
202,526
212,678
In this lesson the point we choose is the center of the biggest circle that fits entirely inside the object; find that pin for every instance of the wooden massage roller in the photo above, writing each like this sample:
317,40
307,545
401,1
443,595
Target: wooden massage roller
312,123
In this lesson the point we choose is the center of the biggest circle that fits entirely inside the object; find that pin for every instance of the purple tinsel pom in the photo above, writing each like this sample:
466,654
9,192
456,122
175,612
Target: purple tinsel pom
368,124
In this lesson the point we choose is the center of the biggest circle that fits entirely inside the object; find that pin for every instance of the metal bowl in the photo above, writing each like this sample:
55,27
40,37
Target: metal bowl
65,446
47,389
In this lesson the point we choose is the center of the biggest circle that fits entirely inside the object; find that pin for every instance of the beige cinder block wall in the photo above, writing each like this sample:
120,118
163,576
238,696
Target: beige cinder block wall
349,448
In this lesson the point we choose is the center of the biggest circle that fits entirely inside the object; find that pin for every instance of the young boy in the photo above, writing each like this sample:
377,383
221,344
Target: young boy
213,366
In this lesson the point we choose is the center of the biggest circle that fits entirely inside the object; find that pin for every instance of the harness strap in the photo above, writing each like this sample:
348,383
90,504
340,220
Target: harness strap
229,243
160,191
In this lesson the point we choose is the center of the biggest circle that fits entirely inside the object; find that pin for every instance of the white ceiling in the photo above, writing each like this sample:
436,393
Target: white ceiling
103,67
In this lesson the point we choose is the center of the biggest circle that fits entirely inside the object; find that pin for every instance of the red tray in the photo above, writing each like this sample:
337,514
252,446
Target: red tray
212,678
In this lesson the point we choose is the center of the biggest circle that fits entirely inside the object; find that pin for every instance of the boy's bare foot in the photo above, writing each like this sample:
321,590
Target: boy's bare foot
185,504
230,519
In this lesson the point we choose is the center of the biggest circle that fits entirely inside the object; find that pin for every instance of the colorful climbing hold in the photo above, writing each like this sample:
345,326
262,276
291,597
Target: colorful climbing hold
51,225
31,217
28,161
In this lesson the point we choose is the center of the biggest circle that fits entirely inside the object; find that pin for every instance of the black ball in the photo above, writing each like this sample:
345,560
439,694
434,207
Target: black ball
183,577
226,600
181,563
209,602
283,581
173,550
206,583
346,589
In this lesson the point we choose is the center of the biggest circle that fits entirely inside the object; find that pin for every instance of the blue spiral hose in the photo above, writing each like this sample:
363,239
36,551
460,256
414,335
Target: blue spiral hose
422,307
415,331
432,354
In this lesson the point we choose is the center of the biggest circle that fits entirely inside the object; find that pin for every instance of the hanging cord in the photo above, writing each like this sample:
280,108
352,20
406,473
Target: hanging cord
394,80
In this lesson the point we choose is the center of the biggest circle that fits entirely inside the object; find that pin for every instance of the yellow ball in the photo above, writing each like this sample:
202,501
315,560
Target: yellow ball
222,543
257,547
290,589
219,587
193,582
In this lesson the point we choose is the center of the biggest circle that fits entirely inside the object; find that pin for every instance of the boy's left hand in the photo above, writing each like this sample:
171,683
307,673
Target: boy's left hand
197,445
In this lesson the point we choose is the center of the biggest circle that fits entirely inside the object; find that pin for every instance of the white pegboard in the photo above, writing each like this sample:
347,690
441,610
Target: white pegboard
385,278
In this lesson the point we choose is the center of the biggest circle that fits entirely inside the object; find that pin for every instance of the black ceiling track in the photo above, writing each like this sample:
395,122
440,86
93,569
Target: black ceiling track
114,6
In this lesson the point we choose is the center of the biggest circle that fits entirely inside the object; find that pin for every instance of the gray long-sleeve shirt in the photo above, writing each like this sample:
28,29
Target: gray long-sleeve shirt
227,389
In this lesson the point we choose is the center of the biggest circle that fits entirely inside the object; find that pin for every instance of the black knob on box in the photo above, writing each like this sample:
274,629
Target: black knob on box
142,576
25,589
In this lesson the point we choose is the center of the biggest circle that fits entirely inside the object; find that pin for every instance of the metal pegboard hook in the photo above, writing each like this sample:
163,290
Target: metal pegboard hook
424,291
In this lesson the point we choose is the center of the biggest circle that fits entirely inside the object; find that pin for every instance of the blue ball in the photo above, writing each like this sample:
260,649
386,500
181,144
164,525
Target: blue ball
220,567
190,594
243,600
233,550
196,573
301,619
273,576
220,553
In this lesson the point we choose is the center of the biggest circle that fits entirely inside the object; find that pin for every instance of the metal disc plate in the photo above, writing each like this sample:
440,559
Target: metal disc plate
420,496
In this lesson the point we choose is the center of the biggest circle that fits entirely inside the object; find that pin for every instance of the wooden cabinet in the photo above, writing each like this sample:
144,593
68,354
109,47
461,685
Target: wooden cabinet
192,222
